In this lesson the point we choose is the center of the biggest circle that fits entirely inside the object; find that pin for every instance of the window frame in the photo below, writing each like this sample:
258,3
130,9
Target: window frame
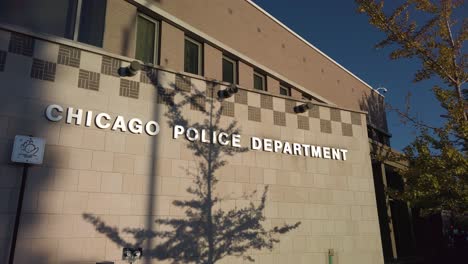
76,28
288,90
77,23
264,86
234,68
200,54
157,26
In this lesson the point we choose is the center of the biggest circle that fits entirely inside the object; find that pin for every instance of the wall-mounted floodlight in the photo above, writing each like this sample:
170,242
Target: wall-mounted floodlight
383,89
130,70
132,254
228,92
303,107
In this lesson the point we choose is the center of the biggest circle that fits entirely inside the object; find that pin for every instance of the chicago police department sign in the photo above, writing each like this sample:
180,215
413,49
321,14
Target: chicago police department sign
56,113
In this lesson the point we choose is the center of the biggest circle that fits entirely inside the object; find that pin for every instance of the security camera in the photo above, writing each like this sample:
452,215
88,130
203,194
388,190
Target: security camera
303,107
131,70
383,89
228,92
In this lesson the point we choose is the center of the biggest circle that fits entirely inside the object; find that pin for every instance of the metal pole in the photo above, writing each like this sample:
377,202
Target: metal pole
331,253
18,213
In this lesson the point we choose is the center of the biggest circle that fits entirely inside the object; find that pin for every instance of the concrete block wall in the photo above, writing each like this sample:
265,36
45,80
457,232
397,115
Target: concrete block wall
130,180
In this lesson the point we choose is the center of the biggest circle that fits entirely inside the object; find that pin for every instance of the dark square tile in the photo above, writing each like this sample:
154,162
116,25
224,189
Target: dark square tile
325,126
89,80
254,114
69,56
279,118
129,88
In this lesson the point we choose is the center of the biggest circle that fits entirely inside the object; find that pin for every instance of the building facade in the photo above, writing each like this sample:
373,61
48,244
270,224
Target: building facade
121,148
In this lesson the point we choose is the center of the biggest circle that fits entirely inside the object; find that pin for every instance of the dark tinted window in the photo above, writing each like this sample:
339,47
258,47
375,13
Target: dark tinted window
58,17
259,81
285,91
192,62
229,70
55,17
146,40
92,21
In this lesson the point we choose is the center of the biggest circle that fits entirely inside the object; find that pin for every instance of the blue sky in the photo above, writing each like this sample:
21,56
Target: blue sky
337,29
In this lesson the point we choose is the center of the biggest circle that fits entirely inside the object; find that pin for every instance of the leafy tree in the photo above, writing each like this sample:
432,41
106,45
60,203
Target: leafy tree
437,174
207,233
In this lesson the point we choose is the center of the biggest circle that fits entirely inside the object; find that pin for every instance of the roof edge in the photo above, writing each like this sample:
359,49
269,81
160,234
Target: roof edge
309,44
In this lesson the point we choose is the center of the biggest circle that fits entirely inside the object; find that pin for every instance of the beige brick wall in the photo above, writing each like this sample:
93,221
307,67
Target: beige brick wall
213,62
128,180
119,33
172,47
245,75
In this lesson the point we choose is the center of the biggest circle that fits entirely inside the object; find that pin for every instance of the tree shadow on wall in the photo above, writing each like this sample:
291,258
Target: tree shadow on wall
207,233
374,104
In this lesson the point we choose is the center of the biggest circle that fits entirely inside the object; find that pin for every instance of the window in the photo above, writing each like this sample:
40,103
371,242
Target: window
193,56
80,20
286,91
259,81
91,22
229,70
147,39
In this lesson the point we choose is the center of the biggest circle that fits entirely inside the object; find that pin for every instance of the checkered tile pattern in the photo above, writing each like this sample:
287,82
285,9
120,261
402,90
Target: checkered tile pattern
227,108
279,118
241,97
325,126
21,44
303,122
356,119
335,115
314,112
253,105
347,129
266,101
69,56
129,88
149,75
254,114
212,89
110,66
183,83
88,80
289,106
198,102
43,70
165,96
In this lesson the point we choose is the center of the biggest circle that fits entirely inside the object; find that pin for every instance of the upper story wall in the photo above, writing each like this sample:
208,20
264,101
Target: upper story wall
244,28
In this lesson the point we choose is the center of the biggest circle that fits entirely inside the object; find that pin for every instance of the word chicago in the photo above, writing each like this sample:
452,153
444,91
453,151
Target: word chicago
101,120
